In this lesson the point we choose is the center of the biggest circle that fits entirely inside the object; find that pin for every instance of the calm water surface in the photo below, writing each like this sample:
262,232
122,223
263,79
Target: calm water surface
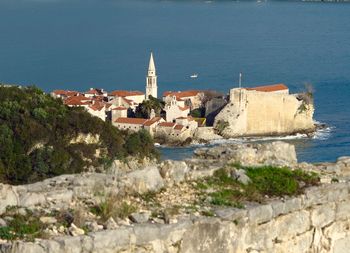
78,44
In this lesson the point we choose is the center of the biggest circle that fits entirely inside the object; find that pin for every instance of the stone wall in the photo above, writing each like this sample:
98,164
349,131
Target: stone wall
252,113
317,221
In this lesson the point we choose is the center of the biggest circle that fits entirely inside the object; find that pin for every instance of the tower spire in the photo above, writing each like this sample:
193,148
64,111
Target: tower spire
151,66
151,79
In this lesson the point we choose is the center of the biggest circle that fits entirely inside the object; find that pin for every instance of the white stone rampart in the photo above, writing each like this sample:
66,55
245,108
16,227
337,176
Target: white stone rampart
252,113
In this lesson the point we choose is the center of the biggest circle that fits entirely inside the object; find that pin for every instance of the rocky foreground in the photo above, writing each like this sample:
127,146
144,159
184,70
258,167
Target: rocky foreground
215,202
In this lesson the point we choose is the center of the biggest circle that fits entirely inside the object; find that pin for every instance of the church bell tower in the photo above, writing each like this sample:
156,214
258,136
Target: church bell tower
151,79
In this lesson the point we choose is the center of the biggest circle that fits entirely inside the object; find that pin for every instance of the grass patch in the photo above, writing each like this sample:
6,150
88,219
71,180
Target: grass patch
24,227
275,181
268,180
112,206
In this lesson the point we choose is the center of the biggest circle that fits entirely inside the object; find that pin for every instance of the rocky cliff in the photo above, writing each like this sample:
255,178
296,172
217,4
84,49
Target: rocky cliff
316,219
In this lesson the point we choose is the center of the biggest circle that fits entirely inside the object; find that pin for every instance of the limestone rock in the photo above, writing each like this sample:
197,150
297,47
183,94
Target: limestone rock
275,153
145,180
3,223
173,171
240,176
259,214
8,197
140,217
111,224
48,220
206,134
94,226
75,231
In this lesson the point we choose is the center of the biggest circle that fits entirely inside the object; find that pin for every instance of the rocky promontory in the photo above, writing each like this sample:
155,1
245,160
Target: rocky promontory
230,198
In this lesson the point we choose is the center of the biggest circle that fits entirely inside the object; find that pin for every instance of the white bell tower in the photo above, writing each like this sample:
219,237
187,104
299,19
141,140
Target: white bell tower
151,79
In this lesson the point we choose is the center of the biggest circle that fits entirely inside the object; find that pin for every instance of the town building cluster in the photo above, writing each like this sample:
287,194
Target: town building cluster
119,107
175,123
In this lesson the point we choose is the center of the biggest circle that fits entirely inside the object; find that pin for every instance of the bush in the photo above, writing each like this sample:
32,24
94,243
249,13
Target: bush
35,135
275,181
271,181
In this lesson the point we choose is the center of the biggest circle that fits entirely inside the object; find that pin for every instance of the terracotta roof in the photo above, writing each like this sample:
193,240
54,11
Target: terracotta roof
167,124
77,100
124,93
97,106
269,88
135,121
120,108
182,94
150,122
179,127
184,108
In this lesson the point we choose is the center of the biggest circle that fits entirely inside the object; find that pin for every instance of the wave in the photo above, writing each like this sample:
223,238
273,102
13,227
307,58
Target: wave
320,134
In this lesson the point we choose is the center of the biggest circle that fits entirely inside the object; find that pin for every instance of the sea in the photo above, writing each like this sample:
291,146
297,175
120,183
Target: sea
78,44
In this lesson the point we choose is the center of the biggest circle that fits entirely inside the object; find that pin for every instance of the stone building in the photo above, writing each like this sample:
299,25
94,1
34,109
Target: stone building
190,98
264,110
136,96
174,111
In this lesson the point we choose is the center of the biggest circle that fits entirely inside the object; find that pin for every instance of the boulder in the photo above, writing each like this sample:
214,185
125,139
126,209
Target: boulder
141,217
253,154
240,176
173,171
142,181
206,134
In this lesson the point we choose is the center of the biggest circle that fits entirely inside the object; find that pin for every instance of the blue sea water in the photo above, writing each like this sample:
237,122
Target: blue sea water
77,44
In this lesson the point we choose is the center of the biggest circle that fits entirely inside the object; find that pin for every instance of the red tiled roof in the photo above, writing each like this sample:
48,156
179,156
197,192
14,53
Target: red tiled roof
135,121
97,106
120,108
124,93
179,127
167,124
182,94
77,100
150,122
269,88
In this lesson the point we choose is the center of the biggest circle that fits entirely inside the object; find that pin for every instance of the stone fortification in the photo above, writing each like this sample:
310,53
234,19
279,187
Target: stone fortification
255,113
318,220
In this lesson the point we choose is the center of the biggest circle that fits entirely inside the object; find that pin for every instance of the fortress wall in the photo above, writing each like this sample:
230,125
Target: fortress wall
317,221
269,113
264,113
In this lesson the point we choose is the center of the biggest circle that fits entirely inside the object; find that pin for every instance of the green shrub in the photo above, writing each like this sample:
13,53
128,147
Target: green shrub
24,227
35,135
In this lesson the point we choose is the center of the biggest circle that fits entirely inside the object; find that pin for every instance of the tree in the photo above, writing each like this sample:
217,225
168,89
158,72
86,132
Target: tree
144,109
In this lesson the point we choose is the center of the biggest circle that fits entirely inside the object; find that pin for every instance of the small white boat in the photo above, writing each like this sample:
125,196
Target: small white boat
194,76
